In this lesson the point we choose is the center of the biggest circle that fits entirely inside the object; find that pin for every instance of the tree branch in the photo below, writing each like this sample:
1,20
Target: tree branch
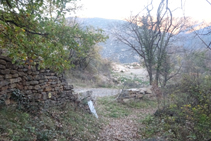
27,30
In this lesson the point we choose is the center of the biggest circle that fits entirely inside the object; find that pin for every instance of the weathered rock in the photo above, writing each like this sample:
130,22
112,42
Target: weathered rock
26,87
39,96
131,94
3,92
4,88
42,84
47,89
37,87
20,87
63,83
8,76
42,71
30,87
15,75
1,77
25,70
15,80
35,73
29,72
6,71
69,87
20,66
57,88
29,77
44,95
146,90
34,91
13,72
21,74
126,100
34,82
50,77
2,67
7,101
9,65
27,84
41,81
7,59
28,92
53,83
12,86
2,62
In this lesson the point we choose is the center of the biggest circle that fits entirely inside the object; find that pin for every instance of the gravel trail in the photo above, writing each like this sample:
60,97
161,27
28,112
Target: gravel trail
99,92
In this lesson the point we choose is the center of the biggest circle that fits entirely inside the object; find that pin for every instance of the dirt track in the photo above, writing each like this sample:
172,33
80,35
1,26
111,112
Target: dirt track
100,92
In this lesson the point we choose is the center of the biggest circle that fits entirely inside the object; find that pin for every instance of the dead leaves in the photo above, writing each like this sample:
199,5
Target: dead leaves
124,129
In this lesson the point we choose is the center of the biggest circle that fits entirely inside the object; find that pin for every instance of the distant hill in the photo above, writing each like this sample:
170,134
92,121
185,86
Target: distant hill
123,54
111,49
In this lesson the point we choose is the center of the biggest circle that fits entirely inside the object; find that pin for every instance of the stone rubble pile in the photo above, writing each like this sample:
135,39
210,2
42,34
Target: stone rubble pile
132,94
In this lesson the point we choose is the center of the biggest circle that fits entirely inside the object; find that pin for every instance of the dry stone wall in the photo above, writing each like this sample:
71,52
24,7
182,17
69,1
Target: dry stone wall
43,86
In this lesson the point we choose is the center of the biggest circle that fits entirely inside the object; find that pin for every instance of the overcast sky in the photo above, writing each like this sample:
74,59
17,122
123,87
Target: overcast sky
120,9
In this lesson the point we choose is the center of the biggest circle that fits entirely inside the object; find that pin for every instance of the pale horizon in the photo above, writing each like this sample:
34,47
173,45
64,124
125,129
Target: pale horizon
121,9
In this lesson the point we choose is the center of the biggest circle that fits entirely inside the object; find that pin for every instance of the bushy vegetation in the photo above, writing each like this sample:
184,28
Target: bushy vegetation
96,73
188,114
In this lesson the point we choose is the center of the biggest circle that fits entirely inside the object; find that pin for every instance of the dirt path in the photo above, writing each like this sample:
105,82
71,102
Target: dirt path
100,92
119,129
125,129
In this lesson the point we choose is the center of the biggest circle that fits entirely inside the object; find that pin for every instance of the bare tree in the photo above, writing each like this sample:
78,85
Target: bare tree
150,36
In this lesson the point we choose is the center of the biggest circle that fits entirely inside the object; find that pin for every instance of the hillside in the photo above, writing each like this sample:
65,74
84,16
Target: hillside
123,54
111,49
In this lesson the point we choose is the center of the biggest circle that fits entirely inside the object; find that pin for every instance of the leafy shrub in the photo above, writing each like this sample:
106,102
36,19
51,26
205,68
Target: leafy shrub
188,116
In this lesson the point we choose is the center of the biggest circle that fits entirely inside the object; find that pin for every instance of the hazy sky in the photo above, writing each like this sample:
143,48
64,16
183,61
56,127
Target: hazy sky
120,9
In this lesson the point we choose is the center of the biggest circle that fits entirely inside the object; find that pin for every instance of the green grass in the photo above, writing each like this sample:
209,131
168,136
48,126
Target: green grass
143,103
111,108
56,123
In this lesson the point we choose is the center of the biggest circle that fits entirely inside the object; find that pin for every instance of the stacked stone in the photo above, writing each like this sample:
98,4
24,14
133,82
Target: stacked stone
9,77
132,94
45,86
